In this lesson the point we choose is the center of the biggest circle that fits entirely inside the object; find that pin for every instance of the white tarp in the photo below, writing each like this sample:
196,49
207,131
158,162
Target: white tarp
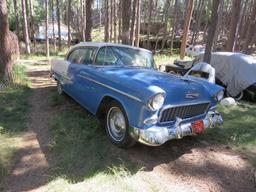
236,70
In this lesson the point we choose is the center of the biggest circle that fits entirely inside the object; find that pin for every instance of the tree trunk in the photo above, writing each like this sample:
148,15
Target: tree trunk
198,22
167,6
99,9
88,28
69,27
137,31
132,31
236,6
83,19
162,21
119,21
126,10
150,7
25,27
115,24
250,30
58,18
212,30
242,23
174,25
5,54
111,20
217,33
32,34
53,27
186,28
17,23
47,52
106,34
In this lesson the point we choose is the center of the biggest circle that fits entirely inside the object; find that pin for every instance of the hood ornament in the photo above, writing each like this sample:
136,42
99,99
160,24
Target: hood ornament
192,95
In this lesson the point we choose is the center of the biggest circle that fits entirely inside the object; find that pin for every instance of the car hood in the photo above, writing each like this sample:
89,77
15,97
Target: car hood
144,83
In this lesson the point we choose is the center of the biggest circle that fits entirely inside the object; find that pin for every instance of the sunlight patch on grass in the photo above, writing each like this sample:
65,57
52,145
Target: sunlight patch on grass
9,144
14,110
115,179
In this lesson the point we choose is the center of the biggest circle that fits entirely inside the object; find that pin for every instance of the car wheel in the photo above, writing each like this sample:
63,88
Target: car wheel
59,88
237,97
117,126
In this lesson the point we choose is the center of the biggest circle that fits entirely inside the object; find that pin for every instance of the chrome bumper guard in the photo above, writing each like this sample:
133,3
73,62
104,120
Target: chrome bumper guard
155,136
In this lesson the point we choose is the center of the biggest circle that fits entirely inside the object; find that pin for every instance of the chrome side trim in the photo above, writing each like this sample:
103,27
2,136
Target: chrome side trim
180,105
116,90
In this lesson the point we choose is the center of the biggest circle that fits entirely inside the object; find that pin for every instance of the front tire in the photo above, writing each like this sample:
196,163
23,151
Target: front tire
117,126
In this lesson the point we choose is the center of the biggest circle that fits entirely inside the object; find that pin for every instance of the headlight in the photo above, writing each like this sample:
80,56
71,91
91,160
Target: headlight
219,95
157,101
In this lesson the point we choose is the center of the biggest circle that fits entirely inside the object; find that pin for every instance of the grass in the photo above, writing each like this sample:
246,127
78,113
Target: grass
14,110
238,130
167,59
86,159
82,150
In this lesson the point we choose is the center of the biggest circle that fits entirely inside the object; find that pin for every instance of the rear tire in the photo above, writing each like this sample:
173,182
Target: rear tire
59,88
117,126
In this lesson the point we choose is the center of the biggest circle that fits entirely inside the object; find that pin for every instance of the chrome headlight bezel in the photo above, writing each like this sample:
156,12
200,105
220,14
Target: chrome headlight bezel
219,96
157,101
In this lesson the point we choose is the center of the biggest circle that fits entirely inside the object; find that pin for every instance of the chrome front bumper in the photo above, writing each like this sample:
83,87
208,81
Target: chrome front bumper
155,136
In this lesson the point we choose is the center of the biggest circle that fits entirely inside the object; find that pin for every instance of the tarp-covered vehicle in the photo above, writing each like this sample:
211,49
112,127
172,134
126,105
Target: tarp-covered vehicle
235,71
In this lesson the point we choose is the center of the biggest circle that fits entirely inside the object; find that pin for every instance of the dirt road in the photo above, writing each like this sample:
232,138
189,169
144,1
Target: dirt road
183,165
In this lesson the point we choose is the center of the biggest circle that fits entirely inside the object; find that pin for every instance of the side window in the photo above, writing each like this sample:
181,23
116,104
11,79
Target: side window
86,55
72,58
106,56
82,56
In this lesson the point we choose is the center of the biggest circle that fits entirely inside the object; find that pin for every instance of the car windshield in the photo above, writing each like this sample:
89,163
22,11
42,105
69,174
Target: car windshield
123,56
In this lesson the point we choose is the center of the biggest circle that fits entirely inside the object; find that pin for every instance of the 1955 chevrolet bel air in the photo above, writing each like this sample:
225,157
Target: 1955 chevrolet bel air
120,85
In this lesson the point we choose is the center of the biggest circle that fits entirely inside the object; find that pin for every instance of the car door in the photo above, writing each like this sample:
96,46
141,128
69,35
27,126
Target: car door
81,73
92,80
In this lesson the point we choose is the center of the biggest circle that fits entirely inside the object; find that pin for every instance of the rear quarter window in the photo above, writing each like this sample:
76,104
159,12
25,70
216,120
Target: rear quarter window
82,55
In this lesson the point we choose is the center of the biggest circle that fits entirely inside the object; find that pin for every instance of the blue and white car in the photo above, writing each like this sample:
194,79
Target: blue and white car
120,85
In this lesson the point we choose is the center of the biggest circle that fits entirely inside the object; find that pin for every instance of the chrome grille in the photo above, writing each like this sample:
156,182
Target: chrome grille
183,112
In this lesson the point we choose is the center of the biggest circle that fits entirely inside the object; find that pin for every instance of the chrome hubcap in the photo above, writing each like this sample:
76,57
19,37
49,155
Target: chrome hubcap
116,124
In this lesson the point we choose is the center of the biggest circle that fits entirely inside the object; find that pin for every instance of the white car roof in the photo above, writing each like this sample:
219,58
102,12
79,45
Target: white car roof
101,44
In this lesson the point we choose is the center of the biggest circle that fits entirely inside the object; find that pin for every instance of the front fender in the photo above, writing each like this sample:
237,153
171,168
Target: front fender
136,111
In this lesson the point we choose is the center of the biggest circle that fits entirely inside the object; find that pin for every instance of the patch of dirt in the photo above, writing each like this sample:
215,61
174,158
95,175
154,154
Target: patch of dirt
179,165
190,165
32,168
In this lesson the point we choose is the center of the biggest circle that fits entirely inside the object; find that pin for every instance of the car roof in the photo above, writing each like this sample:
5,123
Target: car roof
102,44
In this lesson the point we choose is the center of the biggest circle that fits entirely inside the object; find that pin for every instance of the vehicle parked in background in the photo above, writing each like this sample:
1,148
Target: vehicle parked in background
235,71
120,85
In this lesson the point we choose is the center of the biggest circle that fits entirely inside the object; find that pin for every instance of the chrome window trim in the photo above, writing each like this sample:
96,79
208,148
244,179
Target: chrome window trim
180,105
116,90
